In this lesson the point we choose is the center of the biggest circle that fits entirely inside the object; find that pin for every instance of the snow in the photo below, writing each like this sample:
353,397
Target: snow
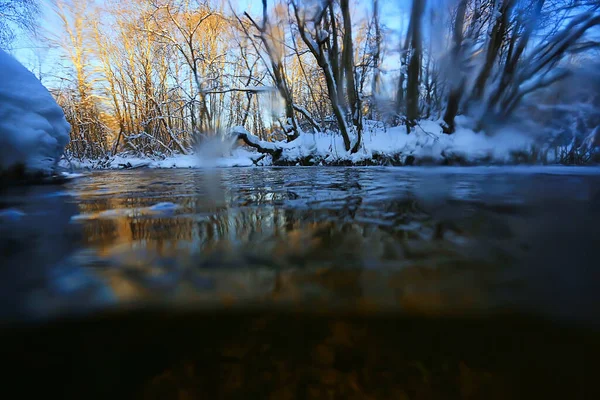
237,130
322,35
33,128
427,144
238,157
427,141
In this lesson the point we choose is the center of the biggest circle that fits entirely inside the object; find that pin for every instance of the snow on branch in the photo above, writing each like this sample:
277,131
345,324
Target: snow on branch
308,116
247,89
251,140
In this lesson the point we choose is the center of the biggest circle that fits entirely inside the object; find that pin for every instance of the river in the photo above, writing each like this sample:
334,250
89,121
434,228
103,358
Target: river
360,255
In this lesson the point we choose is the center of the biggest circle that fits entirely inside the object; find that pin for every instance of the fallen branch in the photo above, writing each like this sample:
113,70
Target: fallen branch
251,140
257,160
128,165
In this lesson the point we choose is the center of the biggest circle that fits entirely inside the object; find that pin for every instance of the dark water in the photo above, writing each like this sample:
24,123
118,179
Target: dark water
304,283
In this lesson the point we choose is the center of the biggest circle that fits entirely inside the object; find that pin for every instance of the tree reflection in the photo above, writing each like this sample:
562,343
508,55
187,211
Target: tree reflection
342,253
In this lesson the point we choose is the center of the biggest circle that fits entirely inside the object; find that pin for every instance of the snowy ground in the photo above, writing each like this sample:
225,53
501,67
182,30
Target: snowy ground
239,157
427,144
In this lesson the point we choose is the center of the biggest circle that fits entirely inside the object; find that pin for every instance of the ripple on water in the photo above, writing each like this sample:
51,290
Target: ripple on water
401,238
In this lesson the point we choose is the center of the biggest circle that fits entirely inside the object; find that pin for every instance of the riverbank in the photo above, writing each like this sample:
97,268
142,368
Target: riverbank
381,146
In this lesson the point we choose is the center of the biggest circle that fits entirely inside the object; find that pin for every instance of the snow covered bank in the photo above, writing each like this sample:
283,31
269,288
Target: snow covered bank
425,145
238,157
33,128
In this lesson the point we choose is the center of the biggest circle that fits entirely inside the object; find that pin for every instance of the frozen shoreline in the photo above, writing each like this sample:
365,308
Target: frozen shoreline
191,162
426,145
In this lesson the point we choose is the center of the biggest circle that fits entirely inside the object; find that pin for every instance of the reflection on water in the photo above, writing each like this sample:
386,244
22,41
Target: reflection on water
419,241
342,283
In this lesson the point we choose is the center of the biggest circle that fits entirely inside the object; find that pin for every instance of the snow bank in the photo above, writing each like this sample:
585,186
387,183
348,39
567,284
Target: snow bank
33,128
426,142
238,157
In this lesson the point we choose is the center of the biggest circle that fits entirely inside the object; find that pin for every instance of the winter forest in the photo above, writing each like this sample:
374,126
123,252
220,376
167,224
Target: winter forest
300,199
320,81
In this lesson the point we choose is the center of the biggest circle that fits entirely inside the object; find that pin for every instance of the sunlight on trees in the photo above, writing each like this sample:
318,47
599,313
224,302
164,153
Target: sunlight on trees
159,76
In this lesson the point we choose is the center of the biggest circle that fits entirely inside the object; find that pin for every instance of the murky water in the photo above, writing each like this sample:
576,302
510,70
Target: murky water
334,259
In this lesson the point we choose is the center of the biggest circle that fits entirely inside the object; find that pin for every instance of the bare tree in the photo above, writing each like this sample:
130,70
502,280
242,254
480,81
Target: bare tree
457,80
350,83
89,132
319,33
273,39
414,65
16,15
376,83
497,36
155,76
186,20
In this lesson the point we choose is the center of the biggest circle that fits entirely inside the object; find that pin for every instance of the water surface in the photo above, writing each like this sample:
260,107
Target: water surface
413,240
303,283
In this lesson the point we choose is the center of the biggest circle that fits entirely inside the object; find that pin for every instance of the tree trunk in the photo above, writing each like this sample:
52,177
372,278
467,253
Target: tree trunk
324,61
377,53
493,49
348,61
458,82
414,66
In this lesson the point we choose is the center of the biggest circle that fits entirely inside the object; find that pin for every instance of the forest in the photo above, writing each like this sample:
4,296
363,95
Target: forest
164,77
413,212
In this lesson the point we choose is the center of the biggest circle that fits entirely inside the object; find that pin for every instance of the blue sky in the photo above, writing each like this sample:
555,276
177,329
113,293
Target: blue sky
44,59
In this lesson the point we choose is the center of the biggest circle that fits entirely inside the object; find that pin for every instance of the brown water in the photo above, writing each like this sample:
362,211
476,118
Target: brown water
304,283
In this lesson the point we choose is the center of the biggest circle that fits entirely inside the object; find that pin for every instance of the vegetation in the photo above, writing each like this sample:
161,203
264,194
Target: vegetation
159,76
16,15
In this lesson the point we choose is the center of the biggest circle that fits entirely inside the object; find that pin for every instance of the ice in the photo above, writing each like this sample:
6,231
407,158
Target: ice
33,128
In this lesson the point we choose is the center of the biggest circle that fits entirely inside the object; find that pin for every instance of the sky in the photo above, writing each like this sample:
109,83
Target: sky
36,54
45,59
390,14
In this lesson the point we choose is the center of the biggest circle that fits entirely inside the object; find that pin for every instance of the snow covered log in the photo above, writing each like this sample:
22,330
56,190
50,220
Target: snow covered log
253,141
33,128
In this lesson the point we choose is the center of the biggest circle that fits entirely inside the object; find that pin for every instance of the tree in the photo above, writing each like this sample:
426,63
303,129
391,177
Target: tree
457,79
16,15
492,43
318,31
158,76
273,40
348,66
89,132
186,18
414,64
376,82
